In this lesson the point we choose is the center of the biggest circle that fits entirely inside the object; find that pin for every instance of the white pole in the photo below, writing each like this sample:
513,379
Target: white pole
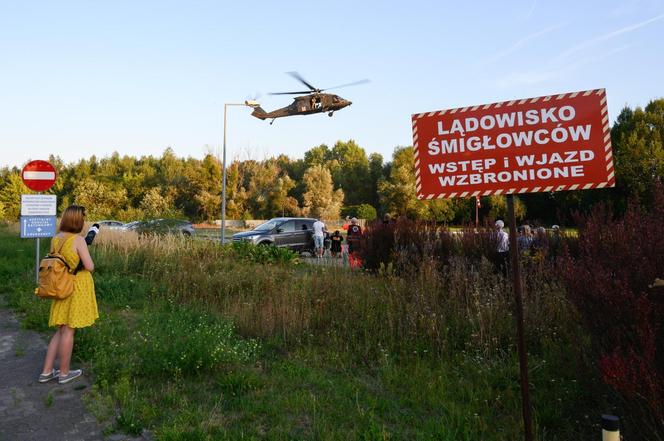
223,185
223,179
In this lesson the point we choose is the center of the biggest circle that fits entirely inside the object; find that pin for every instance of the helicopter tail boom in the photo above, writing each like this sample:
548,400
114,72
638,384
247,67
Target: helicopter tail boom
259,113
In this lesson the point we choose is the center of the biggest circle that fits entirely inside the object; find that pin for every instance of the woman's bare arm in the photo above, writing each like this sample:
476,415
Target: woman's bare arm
83,253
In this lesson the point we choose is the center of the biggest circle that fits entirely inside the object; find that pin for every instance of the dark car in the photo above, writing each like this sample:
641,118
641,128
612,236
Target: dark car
163,226
294,233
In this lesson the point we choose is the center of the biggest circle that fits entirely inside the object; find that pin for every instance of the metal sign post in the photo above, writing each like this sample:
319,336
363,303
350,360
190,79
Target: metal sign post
477,211
36,227
37,249
518,306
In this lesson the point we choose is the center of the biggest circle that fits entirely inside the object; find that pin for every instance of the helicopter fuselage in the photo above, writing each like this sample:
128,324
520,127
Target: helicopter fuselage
306,105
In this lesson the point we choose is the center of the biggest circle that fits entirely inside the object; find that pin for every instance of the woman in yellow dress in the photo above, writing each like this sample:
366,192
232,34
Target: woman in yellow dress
80,308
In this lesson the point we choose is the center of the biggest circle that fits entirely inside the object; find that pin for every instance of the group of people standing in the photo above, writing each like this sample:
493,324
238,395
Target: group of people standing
529,241
336,239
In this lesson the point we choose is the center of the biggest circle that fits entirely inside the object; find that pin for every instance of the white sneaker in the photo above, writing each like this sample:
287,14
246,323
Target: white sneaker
45,378
72,375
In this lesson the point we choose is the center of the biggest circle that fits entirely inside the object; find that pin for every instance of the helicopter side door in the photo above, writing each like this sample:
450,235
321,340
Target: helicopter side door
301,105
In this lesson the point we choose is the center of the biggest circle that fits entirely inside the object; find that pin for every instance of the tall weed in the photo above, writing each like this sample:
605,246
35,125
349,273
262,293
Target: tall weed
441,302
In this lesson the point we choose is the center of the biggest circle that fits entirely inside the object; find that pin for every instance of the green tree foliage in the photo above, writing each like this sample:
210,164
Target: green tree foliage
321,199
100,200
350,169
362,211
638,150
319,155
377,173
236,196
210,205
11,189
498,207
398,196
349,166
267,188
154,205
200,190
295,169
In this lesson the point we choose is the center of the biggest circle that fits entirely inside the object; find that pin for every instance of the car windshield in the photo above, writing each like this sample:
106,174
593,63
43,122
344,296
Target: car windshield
267,226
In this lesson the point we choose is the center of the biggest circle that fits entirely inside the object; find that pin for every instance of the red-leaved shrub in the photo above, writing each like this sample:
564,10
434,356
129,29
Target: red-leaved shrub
608,278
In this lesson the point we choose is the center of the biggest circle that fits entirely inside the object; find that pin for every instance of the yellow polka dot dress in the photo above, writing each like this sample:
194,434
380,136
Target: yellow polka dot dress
80,308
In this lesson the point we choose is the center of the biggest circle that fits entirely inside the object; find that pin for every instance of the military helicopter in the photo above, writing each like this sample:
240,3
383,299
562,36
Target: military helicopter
313,102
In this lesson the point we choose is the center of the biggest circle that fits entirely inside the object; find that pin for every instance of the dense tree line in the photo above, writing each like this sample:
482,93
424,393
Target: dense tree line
327,182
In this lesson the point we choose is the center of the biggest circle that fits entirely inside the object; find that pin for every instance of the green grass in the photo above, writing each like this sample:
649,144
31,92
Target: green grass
17,278
48,401
206,345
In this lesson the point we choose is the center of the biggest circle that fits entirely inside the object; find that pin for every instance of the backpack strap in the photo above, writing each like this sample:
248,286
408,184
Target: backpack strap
62,245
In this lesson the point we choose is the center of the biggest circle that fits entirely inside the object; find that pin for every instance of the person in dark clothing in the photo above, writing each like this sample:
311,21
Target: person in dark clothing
354,236
524,240
335,247
540,242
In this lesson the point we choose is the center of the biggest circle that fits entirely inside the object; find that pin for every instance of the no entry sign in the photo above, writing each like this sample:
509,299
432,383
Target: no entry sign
549,143
38,175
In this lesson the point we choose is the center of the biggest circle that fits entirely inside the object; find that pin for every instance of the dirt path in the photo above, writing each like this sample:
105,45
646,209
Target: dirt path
30,411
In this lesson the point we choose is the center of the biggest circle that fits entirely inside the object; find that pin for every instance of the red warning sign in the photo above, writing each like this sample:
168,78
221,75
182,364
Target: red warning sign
549,143
38,175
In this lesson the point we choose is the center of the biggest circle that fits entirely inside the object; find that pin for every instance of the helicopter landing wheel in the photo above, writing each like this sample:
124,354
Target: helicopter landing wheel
330,114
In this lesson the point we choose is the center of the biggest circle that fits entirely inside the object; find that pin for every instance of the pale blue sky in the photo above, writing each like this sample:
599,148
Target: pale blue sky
82,78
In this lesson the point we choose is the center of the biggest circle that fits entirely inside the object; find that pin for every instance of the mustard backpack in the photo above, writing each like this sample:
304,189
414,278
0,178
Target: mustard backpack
56,279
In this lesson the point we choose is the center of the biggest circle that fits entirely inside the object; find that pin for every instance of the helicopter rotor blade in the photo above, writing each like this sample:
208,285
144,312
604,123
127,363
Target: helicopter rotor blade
298,77
348,84
291,93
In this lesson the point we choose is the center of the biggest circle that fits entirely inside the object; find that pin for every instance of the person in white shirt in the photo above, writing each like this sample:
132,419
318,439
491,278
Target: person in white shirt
319,238
502,246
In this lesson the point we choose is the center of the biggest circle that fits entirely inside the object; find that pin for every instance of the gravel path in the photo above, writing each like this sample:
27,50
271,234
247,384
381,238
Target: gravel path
30,411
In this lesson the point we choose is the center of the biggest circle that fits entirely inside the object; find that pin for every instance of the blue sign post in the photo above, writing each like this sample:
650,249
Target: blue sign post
37,226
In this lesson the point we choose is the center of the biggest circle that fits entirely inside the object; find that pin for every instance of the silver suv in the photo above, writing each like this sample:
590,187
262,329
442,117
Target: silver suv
294,233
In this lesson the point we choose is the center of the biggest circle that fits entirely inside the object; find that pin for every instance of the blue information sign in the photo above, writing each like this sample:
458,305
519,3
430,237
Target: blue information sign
37,226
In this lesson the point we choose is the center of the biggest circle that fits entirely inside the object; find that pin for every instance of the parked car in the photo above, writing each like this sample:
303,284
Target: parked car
294,233
110,225
130,225
162,226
